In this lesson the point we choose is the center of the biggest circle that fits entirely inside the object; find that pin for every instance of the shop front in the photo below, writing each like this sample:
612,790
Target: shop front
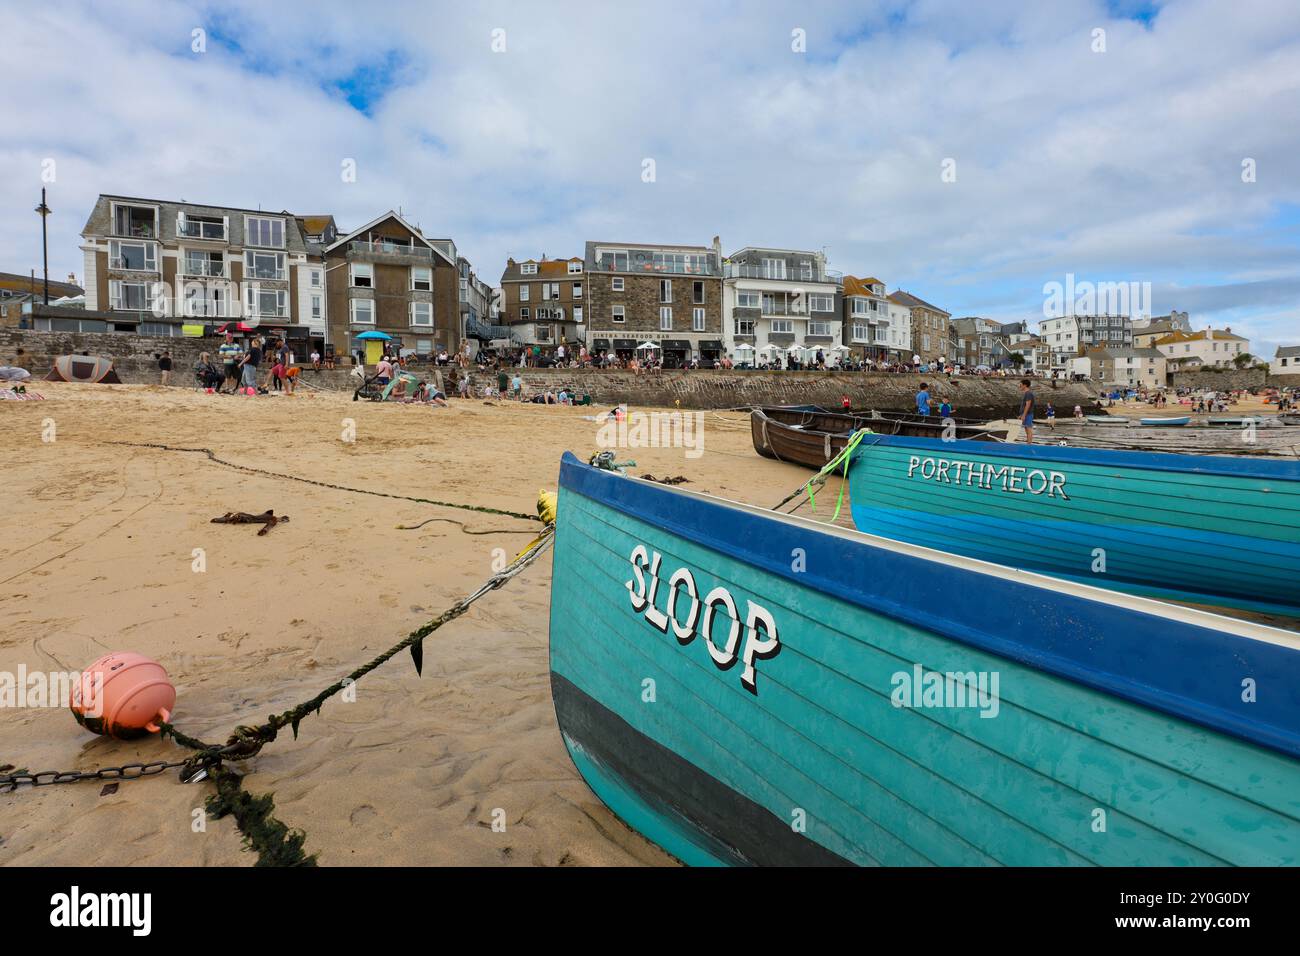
676,352
710,352
625,348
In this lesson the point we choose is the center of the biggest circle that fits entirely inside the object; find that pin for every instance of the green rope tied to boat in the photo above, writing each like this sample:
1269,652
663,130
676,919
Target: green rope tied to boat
842,458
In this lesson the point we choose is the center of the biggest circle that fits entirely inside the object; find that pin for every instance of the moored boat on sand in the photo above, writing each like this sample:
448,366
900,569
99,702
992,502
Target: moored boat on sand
745,687
1212,530
813,447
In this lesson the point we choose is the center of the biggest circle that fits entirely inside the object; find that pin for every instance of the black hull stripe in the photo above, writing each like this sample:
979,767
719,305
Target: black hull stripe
727,823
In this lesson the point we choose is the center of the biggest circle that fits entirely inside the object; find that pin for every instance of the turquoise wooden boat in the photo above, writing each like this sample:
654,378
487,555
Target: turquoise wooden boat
745,687
1164,422
1108,419
1205,529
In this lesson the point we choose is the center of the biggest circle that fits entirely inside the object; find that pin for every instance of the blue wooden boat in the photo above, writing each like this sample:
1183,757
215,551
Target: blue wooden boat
1205,529
1164,422
746,687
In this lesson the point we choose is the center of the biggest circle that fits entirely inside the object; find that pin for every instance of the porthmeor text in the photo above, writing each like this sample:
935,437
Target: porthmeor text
1014,479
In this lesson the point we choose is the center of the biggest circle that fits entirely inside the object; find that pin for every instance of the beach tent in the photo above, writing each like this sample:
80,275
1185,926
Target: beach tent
83,368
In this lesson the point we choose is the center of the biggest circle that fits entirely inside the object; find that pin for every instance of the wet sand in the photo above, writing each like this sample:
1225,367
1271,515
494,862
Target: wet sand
97,555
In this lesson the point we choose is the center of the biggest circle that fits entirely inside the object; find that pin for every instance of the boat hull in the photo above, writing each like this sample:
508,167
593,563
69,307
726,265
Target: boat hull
1217,531
822,436
1111,715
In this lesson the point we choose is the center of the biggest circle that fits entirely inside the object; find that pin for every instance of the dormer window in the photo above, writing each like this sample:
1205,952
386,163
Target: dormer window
140,222
528,269
575,268
262,231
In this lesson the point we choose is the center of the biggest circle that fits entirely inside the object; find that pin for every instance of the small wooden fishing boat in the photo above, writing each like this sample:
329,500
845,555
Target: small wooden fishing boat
1209,530
813,447
1107,420
1165,422
874,702
1231,422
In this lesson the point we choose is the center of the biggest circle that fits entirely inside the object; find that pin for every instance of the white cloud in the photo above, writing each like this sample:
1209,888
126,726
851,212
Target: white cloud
1117,166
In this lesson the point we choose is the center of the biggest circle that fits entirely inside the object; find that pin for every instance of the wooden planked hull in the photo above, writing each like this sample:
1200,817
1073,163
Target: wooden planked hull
1220,531
813,447
778,728
1265,440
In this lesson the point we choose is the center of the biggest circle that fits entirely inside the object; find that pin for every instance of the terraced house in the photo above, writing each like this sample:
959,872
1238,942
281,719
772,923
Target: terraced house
670,296
976,341
387,276
779,301
932,333
867,319
154,266
544,301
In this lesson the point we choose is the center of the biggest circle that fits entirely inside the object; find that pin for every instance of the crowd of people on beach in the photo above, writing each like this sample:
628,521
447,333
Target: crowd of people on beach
641,360
236,367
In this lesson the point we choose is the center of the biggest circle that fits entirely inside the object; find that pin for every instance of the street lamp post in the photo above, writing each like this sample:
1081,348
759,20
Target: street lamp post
44,211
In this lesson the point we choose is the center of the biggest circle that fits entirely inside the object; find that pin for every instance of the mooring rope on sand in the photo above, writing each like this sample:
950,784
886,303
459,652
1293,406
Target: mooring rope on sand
274,843
324,484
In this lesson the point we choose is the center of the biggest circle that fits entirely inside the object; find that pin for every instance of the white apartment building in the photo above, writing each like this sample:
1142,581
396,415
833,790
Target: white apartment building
1190,350
779,301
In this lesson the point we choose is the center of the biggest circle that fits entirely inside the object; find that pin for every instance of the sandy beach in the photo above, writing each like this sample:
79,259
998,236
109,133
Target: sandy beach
98,555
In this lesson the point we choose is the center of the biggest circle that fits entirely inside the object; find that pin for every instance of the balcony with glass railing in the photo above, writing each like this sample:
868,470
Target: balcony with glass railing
133,263
659,264
206,268
196,308
201,229
389,252
745,270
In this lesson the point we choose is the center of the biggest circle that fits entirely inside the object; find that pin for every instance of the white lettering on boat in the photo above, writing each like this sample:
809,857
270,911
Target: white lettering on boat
1012,479
705,617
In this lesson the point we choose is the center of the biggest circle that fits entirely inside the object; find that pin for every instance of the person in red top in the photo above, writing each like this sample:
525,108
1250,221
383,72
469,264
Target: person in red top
845,403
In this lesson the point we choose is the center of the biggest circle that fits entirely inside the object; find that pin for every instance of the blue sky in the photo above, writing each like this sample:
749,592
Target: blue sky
521,129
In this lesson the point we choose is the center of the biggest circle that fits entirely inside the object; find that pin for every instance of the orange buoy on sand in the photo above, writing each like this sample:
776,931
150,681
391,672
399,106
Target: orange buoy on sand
123,695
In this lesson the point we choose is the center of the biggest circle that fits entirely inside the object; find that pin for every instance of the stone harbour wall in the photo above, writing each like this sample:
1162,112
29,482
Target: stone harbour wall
971,397
135,359
1223,379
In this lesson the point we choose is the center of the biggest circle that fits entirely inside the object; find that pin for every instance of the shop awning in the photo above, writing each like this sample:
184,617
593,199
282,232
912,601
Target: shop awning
625,343
713,345
600,343
675,344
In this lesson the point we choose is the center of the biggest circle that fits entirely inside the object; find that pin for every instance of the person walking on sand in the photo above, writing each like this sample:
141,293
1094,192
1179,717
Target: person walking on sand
503,382
517,388
383,371
165,368
1051,416
1027,410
